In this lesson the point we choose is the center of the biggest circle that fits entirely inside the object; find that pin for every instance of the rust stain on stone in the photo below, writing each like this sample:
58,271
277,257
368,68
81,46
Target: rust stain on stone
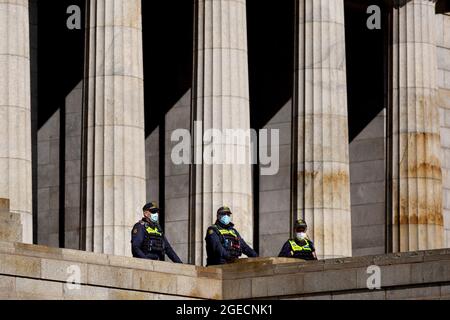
425,170
4,205
421,173
337,178
430,214
308,174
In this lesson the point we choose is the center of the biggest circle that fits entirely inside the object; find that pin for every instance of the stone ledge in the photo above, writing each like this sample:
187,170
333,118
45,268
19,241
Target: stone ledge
132,277
37,272
337,278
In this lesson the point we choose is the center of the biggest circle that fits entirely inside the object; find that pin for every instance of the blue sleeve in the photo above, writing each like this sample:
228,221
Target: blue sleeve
137,239
311,244
247,250
170,252
286,250
213,242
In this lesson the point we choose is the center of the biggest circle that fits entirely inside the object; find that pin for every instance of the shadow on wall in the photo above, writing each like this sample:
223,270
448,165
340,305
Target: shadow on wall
271,58
443,6
366,56
271,50
60,56
168,28
57,69
168,31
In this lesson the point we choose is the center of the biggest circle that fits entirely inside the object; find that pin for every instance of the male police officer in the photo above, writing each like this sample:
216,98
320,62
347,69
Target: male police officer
301,247
147,238
223,243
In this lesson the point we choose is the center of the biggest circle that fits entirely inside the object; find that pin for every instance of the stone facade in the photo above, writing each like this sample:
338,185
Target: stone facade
374,185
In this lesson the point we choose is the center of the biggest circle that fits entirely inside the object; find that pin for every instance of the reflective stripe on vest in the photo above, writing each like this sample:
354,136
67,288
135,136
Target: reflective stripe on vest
295,247
152,231
225,232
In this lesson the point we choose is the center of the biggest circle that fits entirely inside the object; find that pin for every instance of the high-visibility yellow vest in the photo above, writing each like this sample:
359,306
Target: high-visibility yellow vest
153,232
296,248
225,232
230,240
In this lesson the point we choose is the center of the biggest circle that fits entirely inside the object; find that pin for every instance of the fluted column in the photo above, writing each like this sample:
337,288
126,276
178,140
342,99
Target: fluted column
115,171
416,175
221,102
15,113
321,175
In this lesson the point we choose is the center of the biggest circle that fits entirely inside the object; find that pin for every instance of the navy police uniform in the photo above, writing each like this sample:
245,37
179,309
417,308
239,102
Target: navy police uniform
299,249
149,242
225,245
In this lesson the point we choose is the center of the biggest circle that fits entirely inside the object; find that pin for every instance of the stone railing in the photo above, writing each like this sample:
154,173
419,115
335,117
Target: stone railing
36,272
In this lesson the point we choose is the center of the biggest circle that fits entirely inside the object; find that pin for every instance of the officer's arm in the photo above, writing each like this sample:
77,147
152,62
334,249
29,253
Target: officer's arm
136,241
313,249
285,251
247,250
213,241
311,245
170,252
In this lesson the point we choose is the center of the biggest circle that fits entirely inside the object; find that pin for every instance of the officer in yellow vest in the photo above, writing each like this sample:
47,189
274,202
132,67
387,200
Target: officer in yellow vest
223,242
147,238
301,247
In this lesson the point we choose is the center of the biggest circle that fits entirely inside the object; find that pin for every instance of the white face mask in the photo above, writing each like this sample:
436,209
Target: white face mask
301,235
154,217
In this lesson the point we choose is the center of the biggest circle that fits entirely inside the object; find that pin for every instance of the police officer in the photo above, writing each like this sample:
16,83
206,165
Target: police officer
301,247
223,243
147,238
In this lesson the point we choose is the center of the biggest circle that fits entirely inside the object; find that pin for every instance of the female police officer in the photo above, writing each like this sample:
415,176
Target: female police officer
301,247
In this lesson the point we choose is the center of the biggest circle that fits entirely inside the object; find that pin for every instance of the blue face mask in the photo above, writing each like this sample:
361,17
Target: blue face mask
154,217
225,219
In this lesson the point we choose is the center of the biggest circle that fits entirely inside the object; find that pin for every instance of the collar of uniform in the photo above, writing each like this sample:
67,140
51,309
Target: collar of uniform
301,241
221,225
151,223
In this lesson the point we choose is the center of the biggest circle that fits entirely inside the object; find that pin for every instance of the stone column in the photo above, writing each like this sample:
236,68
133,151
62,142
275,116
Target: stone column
321,186
15,112
115,170
416,166
221,102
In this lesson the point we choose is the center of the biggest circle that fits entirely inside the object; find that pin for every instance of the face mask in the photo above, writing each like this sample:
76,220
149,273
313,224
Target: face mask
225,219
154,217
301,235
